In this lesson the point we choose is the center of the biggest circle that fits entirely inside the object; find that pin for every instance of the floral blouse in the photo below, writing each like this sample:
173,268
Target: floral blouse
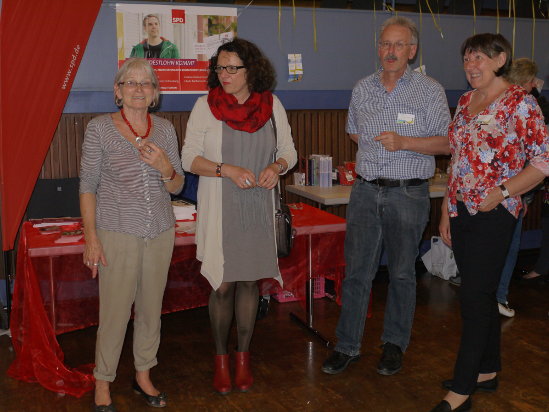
493,146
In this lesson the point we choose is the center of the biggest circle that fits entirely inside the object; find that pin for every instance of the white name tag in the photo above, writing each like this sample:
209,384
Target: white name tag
485,119
405,118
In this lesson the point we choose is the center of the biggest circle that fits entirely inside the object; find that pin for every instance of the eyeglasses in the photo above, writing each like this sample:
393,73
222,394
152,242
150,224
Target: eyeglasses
131,84
230,69
399,45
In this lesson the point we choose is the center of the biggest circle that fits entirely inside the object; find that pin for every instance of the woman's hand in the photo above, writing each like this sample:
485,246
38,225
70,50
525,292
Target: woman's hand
444,224
268,178
242,177
494,198
93,255
156,158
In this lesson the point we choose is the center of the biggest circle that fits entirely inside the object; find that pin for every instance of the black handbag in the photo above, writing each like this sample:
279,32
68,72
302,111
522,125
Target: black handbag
284,233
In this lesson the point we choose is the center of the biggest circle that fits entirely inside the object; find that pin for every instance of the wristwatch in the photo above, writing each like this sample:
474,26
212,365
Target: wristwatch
280,166
504,191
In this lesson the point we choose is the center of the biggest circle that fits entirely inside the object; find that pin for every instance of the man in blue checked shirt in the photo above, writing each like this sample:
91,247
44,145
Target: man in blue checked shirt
399,118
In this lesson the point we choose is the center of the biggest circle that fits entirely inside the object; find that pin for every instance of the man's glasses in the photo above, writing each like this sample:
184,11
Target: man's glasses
230,69
131,84
386,45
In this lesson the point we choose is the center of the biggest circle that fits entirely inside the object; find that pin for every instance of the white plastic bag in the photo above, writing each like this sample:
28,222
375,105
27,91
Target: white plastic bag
439,260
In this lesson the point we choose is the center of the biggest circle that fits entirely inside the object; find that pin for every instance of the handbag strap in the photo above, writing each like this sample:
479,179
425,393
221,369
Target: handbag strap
278,193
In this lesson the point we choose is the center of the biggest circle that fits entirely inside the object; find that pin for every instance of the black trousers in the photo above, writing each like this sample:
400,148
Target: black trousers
542,265
480,244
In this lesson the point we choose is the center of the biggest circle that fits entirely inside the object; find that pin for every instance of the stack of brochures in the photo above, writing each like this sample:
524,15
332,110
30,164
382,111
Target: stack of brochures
319,170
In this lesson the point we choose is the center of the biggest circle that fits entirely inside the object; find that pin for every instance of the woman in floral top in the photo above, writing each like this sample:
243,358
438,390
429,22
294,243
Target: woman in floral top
496,129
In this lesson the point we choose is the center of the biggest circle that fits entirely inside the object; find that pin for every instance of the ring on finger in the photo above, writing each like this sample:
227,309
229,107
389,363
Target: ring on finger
88,263
96,264
248,183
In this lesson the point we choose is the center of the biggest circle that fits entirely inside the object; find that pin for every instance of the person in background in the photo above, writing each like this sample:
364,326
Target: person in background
496,129
238,141
523,73
130,165
154,46
541,268
399,118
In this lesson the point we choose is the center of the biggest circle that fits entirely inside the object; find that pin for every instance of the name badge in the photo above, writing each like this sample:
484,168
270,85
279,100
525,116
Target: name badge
485,119
405,118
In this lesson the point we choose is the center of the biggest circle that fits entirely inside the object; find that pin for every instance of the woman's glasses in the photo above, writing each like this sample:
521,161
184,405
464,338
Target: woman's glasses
131,84
230,69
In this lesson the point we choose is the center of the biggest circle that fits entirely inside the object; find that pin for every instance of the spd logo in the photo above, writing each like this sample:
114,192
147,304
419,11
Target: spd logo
178,16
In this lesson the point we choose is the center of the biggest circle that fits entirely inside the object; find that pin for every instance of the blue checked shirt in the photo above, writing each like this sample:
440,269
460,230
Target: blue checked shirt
416,107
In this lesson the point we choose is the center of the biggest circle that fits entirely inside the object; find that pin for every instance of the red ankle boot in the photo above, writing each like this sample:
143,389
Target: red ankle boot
243,379
222,377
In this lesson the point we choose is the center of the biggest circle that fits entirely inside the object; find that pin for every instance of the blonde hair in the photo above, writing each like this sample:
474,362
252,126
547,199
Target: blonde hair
522,71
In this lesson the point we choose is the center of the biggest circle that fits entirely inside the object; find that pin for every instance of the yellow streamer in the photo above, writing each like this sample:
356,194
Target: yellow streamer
314,26
420,31
279,22
375,34
514,27
497,16
474,17
533,28
293,10
437,26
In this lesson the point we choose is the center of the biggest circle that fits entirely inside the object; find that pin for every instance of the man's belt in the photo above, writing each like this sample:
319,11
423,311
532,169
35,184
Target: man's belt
393,182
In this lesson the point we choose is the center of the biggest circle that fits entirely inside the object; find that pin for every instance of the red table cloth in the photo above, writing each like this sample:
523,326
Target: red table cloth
54,292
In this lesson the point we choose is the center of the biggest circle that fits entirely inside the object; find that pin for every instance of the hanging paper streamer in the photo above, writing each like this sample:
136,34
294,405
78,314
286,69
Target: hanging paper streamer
279,22
533,28
474,17
420,32
497,16
375,33
437,25
514,25
293,10
314,25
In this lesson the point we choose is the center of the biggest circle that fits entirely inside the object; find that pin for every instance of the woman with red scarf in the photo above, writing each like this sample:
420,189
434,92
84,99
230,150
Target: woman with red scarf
238,141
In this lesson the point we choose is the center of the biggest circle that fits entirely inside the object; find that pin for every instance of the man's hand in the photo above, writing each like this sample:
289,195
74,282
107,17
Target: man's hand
392,141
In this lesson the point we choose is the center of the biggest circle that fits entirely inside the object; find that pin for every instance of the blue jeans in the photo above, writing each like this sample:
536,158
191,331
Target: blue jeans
510,262
394,217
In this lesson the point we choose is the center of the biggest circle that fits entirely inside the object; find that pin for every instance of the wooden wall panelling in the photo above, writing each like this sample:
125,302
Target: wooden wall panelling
314,131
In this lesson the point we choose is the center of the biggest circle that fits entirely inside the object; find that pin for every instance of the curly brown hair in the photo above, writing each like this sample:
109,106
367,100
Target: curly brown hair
260,73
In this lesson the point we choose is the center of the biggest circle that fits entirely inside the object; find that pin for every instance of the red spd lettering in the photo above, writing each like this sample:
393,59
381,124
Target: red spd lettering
178,16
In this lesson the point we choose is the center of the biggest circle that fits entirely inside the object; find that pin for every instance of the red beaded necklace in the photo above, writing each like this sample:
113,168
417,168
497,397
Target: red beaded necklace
137,137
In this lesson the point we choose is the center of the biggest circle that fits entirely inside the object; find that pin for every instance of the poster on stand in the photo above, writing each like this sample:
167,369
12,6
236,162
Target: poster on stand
178,41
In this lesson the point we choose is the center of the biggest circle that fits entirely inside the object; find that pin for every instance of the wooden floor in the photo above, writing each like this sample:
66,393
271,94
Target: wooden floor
286,362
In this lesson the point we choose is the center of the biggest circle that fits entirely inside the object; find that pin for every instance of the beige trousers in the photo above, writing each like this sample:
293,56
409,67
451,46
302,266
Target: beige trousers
136,273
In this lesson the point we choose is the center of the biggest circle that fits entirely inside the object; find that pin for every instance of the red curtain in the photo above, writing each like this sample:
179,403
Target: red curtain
41,44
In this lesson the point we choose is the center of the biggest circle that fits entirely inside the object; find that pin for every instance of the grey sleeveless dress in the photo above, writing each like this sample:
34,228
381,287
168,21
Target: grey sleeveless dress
248,239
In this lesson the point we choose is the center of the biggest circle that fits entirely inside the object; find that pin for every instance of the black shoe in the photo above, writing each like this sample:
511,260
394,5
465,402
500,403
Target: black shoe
104,408
444,406
490,385
391,360
155,401
262,308
338,362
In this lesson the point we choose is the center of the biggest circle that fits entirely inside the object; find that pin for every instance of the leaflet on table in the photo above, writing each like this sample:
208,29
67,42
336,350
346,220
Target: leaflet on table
182,40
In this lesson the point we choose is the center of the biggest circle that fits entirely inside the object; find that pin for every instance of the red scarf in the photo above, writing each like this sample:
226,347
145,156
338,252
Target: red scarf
247,117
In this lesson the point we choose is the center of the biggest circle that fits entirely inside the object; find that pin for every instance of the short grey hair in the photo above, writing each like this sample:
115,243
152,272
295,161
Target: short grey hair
404,22
137,64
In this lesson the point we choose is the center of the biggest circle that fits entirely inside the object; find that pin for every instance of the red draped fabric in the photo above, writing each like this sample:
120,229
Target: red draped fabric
41,44
38,355
54,292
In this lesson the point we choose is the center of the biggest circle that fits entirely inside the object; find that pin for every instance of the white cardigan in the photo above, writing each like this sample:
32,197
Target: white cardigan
203,138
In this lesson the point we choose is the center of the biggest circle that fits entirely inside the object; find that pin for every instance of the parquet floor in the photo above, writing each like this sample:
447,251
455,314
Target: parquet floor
286,361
